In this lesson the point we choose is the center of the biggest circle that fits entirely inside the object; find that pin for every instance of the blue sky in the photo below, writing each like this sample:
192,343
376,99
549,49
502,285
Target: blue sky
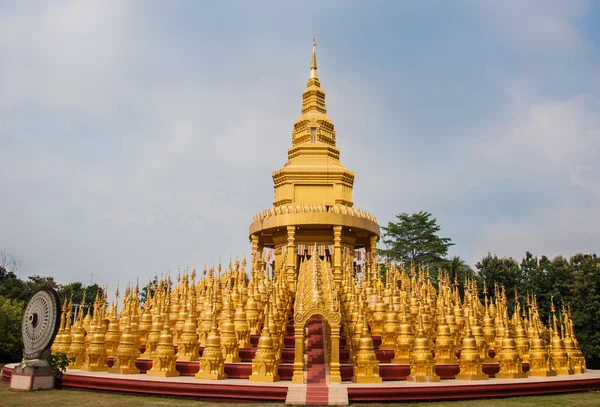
139,137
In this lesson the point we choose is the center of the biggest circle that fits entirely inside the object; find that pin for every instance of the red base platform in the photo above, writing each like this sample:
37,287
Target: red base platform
397,390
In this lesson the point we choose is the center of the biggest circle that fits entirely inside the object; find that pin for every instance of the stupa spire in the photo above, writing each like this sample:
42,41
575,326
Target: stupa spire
313,63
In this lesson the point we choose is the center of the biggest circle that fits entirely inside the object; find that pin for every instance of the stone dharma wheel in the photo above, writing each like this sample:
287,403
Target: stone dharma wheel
41,321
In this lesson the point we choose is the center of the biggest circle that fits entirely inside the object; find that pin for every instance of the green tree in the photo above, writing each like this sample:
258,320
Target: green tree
584,298
76,290
42,282
533,274
503,271
11,316
415,238
8,264
458,268
12,287
144,291
6,275
559,279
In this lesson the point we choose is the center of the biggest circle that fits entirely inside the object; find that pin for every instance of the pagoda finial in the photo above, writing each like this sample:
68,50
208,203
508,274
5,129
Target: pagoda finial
313,64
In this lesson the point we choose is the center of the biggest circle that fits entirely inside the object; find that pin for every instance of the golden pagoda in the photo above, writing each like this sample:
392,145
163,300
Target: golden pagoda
326,305
313,195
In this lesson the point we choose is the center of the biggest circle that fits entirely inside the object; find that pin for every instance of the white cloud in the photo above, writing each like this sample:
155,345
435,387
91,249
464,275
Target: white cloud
552,146
555,231
536,25
545,138
172,137
66,56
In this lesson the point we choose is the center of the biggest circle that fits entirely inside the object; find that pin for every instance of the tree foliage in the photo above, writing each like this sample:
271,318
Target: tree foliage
13,287
8,264
143,296
15,293
415,238
11,316
59,363
503,272
76,291
458,269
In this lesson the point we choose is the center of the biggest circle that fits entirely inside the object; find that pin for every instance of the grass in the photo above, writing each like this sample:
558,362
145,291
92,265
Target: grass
76,398
591,398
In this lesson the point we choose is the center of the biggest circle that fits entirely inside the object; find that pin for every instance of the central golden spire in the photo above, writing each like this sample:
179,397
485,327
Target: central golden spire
313,64
312,192
313,173
314,125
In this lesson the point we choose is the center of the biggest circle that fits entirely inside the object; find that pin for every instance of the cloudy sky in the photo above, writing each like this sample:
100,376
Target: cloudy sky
137,137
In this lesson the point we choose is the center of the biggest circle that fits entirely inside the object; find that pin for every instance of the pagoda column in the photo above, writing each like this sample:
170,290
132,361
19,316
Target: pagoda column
260,263
291,258
373,253
254,240
298,376
334,364
373,245
280,242
256,256
337,256
278,259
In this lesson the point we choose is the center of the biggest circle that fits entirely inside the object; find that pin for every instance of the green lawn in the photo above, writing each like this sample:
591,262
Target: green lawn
66,398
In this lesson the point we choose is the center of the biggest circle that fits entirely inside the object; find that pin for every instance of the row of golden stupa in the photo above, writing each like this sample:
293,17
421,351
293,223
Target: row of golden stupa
221,311
211,319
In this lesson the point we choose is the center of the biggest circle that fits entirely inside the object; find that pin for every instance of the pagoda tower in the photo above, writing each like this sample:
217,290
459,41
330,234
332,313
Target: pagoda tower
313,196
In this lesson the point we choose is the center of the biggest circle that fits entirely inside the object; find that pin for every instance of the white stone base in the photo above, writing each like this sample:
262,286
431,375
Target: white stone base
30,382
296,395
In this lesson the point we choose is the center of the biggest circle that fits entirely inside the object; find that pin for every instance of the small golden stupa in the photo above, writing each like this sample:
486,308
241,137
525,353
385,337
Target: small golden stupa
127,352
264,366
77,348
163,357
470,360
366,365
212,362
422,365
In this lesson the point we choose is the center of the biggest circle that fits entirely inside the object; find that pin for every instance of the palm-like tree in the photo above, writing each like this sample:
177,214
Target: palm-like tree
459,269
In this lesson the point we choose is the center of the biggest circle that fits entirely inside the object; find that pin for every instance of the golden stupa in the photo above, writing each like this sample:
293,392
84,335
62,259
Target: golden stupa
313,299
313,195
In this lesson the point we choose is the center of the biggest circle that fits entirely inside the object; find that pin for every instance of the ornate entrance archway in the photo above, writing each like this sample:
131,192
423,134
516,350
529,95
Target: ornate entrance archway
316,296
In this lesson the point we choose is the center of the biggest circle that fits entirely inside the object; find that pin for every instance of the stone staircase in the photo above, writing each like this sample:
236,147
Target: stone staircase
317,391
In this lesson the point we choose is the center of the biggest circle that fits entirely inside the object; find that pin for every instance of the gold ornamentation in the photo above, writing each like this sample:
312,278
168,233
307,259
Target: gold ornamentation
470,359
212,363
422,365
163,357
